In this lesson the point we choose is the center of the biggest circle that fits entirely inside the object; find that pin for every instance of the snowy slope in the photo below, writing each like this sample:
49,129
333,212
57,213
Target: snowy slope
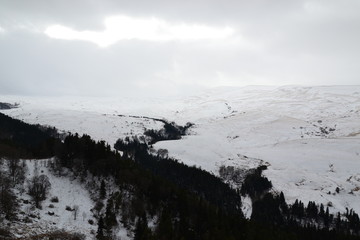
308,136
69,192
283,128
57,215
102,121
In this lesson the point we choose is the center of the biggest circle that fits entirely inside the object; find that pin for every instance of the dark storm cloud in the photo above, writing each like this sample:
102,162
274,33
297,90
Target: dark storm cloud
274,42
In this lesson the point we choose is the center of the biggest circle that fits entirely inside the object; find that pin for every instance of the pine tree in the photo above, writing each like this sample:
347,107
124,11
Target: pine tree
165,229
142,231
110,217
338,221
322,211
102,190
100,231
283,205
326,217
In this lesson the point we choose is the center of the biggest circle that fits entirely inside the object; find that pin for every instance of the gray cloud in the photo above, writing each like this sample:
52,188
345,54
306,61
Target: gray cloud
277,42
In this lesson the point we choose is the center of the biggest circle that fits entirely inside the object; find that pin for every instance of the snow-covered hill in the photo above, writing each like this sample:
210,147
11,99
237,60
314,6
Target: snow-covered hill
308,136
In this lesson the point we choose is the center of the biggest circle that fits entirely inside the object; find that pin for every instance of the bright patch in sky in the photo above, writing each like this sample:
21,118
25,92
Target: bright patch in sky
2,30
149,29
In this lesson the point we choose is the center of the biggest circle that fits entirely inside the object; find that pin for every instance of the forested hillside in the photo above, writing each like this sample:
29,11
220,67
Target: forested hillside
155,197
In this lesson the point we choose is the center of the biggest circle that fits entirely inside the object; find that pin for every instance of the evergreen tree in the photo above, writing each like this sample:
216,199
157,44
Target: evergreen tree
102,189
327,217
283,205
165,228
142,231
100,231
338,221
110,217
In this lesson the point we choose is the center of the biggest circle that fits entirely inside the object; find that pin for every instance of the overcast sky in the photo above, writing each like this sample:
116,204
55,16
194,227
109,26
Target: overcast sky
103,47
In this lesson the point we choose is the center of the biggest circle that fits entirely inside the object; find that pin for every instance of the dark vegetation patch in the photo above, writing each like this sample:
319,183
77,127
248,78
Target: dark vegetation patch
199,181
170,131
233,175
255,185
6,106
22,140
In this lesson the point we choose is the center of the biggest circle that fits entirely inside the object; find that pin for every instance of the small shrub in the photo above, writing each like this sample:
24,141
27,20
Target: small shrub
68,208
27,220
91,222
54,199
51,206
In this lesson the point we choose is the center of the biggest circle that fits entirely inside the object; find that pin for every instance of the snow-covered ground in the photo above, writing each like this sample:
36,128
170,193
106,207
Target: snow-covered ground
57,215
308,136
53,215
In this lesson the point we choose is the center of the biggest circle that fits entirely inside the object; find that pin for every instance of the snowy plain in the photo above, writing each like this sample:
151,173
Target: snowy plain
309,137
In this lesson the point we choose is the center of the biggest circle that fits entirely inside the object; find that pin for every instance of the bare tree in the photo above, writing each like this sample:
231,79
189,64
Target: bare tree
38,188
16,170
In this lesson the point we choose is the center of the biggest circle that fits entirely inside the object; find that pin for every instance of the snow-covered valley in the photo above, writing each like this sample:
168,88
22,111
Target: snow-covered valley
308,136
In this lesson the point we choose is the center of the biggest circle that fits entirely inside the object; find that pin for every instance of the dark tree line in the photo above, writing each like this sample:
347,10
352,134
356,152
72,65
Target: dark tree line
193,179
22,140
184,209
274,210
